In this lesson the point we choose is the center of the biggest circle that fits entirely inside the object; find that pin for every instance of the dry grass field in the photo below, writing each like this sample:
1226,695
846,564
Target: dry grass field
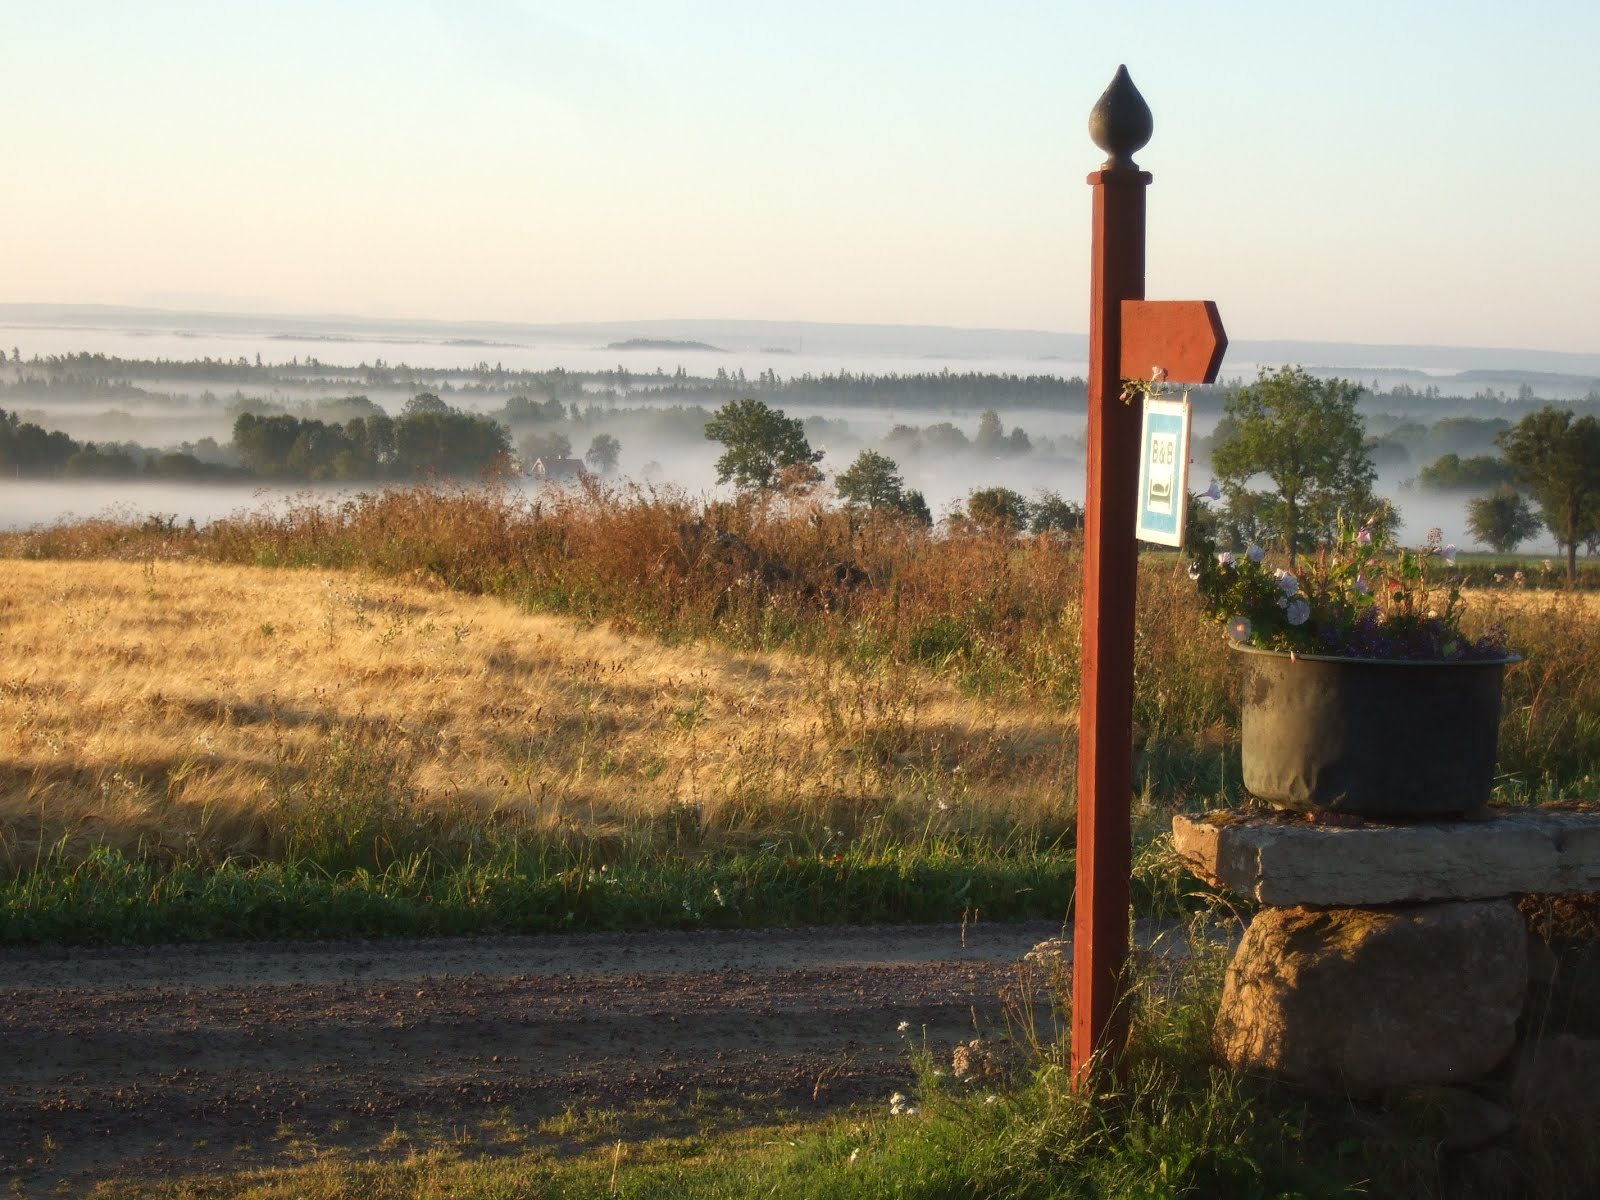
174,708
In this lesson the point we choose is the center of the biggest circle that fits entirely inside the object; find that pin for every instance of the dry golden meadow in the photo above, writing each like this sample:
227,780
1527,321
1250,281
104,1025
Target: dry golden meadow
166,706
441,667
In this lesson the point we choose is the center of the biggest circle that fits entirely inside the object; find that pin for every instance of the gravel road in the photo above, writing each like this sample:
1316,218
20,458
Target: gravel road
158,1061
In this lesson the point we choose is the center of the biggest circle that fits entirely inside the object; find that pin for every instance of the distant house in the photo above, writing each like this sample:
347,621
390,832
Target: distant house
560,469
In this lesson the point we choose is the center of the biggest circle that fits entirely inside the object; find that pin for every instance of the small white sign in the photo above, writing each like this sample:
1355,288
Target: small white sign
1164,472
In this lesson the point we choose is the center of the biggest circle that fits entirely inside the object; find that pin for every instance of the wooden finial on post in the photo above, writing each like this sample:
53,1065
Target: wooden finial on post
1120,122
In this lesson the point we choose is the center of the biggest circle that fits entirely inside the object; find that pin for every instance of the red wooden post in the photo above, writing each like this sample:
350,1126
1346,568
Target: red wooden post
1129,337
1120,124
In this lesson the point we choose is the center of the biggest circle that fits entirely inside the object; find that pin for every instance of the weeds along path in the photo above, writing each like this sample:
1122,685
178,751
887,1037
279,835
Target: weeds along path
164,1061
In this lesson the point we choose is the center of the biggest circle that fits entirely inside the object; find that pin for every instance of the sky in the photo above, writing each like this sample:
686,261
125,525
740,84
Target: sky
1403,172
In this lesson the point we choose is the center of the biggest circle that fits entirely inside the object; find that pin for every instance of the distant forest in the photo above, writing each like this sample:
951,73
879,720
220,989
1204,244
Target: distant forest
309,420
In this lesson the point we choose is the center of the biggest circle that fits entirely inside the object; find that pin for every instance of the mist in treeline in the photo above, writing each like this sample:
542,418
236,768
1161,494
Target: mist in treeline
92,417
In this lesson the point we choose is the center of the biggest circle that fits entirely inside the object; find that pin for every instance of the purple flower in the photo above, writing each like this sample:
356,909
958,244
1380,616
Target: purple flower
1287,582
1212,493
1299,611
1239,629
1363,586
1254,552
1364,536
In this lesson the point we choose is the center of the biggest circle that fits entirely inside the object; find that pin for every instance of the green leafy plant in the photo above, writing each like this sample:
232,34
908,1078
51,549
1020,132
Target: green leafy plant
1360,596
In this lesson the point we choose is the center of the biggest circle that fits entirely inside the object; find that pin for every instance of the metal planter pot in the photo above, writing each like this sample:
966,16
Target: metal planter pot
1368,737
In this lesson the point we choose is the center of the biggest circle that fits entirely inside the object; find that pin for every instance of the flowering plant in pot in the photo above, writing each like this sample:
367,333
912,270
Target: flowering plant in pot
1362,692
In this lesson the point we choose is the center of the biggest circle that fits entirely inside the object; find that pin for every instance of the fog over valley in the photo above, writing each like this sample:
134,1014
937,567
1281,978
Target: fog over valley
149,408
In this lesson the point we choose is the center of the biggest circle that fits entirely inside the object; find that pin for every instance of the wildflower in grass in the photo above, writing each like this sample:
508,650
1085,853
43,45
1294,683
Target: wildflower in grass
904,1027
899,1106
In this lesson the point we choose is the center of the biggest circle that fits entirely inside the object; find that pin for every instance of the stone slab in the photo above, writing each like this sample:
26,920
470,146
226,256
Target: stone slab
1286,859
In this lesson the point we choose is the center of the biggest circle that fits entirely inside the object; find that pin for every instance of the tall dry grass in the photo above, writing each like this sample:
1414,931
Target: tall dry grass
865,603
176,708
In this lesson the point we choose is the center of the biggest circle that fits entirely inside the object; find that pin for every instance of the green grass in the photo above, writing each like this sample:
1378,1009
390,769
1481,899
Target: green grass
112,898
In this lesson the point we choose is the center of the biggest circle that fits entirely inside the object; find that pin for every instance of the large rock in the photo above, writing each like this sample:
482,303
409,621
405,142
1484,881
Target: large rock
1286,860
1360,1000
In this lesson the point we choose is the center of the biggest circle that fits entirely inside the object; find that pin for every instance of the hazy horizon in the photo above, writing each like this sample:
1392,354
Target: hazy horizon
338,358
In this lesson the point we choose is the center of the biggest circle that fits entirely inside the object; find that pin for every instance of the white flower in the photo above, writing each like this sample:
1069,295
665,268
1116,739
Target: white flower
1225,558
903,1027
991,1099
1299,611
1194,571
855,1154
1449,554
1255,553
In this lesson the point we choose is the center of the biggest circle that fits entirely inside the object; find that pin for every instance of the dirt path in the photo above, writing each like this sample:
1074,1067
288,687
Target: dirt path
168,1060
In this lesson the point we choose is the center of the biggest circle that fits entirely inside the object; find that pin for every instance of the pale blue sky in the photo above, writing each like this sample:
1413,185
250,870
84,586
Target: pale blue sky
1391,172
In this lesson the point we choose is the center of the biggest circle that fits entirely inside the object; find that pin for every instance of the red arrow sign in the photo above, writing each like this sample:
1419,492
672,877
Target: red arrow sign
1184,337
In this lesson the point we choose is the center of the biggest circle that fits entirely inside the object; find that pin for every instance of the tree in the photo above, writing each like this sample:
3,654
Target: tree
545,445
872,481
424,402
1305,435
1050,513
449,443
990,433
1452,472
603,452
761,445
1557,458
1501,520
997,510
